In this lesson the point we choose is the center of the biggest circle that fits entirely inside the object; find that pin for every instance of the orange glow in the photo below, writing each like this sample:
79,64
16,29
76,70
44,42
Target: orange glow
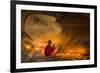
70,50
37,49
73,53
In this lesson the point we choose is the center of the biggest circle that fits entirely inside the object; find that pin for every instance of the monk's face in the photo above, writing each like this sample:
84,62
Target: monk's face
50,43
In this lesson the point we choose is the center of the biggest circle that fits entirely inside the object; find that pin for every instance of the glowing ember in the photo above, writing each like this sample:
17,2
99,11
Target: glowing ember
37,49
74,53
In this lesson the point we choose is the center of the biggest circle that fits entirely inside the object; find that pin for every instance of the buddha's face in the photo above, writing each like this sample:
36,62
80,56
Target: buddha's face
38,25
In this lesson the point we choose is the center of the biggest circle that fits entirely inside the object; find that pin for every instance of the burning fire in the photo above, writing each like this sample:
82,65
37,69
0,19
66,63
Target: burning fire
71,51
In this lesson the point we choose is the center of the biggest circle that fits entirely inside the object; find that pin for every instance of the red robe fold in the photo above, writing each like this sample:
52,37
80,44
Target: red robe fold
48,51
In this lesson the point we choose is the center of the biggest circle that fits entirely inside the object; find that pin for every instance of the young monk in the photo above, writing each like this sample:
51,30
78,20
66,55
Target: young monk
49,49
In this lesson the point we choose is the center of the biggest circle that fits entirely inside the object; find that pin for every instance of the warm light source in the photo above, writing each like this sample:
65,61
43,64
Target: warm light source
37,49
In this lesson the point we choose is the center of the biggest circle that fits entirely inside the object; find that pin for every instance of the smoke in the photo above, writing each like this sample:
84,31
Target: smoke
42,27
